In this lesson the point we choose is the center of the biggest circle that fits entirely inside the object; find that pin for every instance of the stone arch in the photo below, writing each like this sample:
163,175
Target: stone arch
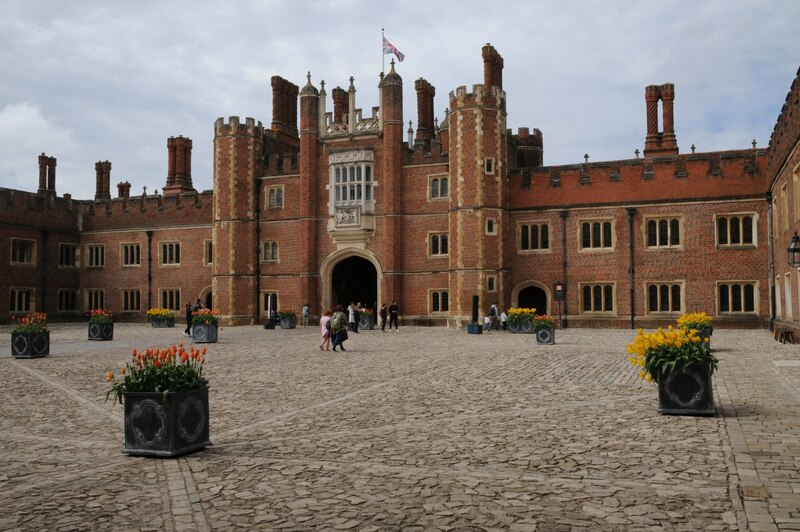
206,297
332,260
515,293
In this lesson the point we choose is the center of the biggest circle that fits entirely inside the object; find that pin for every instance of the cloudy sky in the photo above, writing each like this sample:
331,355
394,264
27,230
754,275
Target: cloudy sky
86,81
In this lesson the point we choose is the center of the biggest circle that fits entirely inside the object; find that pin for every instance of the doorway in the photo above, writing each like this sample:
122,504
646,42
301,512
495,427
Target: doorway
533,297
354,279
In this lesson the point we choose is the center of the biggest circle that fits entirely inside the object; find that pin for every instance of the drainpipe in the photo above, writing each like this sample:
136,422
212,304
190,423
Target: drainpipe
564,215
772,310
149,269
632,269
43,262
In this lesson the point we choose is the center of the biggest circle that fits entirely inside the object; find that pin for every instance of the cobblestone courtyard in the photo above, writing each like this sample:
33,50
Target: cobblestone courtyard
429,428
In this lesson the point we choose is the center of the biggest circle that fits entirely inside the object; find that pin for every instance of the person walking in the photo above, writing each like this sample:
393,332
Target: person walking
306,311
382,314
338,328
504,320
325,330
358,311
493,314
351,316
188,330
394,314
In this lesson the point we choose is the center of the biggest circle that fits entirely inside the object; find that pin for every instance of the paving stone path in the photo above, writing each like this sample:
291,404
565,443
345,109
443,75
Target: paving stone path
425,429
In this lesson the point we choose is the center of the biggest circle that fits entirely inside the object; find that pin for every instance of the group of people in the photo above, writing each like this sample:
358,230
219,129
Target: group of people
334,326
495,321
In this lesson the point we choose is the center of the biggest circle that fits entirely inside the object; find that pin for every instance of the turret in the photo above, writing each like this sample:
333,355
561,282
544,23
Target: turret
238,152
305,238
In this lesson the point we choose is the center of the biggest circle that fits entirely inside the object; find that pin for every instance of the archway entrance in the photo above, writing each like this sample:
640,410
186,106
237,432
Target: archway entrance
354,279
533,297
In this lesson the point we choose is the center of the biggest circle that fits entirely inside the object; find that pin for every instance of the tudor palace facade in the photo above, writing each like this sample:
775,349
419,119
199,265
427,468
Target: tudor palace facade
347,205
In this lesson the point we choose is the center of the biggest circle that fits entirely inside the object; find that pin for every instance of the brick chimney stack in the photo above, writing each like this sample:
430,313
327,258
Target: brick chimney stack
179,166
492,68
341,100
284,106
42,174
124,190
425,94
103,185
657,142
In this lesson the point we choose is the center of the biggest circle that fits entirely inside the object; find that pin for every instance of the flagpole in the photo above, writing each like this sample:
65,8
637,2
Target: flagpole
383,56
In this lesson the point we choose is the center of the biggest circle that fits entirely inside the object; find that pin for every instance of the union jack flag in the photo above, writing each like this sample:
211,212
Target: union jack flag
389,48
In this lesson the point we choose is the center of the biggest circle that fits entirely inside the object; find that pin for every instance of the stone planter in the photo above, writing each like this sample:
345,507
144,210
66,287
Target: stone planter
30,344
288,323
167,426
688,392
520,327
204,333
546,336
101,331
366,323
162,323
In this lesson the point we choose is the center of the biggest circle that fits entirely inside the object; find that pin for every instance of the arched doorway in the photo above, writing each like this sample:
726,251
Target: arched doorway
533,297
206,298
354,279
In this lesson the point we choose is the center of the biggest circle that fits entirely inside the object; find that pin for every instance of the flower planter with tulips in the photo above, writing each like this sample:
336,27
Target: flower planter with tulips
520,320
205,326
101,325
544,329
30,337
366,320
165,396
161,317
676,359
288,319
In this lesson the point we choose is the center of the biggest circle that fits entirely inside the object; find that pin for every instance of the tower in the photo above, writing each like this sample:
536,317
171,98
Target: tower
479,196
309,168
238,150
391,237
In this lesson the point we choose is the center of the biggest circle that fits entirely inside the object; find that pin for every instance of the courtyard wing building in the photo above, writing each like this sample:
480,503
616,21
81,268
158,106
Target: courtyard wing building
337,204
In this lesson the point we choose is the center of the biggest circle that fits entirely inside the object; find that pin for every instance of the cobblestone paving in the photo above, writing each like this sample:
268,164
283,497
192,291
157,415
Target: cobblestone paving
426,429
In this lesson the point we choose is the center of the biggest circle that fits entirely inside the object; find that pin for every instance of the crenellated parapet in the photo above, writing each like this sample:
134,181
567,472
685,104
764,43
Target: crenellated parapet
479,97
234,128
713,175
525,149
786,133
18,207
186,208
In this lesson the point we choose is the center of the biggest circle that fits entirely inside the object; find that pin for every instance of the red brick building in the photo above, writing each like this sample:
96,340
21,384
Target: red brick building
347,205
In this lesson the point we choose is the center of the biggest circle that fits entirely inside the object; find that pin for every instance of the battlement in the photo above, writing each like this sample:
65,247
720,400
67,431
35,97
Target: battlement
419,153
32,209
787,129
727,174
234,127
185,208
479,96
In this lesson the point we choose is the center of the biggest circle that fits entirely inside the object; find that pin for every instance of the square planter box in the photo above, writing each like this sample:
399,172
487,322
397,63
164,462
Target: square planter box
520,327
204,333
162,323
169,426
365,323
546,336
30,344
688,392
101,331
288,323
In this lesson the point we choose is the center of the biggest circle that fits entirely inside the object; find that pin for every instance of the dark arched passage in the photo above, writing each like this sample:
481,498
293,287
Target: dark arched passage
533,297
355,279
